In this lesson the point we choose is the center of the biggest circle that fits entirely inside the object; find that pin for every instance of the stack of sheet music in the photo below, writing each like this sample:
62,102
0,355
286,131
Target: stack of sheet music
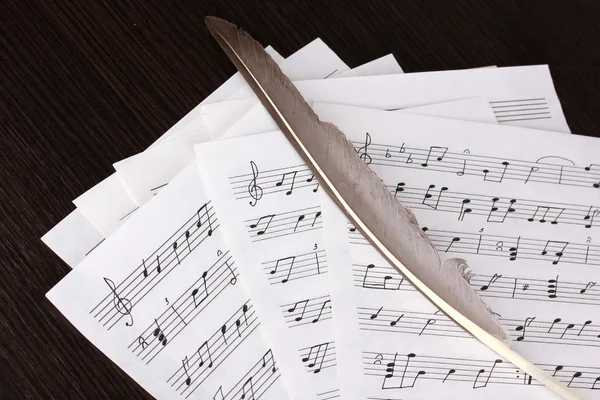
212,266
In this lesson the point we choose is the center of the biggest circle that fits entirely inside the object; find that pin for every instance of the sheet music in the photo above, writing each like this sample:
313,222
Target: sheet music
272,218
73,238
162,298
521,206
520,96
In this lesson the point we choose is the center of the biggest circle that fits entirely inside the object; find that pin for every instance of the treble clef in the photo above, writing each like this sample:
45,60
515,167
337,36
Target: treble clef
254,190
363,153
122,305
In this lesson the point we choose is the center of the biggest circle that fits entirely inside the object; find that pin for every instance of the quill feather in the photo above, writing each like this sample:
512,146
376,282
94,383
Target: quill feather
363,197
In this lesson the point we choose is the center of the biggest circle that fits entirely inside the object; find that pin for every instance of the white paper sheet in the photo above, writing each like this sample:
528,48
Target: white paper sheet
272,221
385,65
520,96
522,206
73,238
162,299
106,205
232,85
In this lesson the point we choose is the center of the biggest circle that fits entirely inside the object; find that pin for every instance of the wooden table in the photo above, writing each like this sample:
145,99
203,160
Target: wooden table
84,84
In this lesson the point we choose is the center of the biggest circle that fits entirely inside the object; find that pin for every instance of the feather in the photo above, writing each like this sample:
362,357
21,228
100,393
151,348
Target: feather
363,197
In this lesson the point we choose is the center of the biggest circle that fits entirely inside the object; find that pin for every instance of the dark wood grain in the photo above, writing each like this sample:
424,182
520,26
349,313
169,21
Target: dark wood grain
84,84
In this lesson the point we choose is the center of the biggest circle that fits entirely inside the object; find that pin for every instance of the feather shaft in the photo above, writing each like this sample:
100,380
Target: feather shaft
361,195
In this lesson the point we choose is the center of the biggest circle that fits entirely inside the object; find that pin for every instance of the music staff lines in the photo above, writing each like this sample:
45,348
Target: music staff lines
318,357
531,329
185,309
513,248
520,110
495,209
491,169
130,291
499,286
329,395
284,224
255,383
295,267
196,367
407,370
308,311
284,181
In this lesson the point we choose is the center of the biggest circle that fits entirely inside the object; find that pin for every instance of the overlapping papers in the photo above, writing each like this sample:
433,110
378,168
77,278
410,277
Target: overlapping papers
213,266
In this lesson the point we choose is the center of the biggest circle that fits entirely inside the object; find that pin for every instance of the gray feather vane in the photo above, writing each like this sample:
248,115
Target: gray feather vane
368,204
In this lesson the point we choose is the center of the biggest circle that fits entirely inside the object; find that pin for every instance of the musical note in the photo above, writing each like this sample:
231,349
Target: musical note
590,217
199,351
399,188
514,251
558,368
594,384
175,251
523,328
262,231
462,171
223,331
589,168
393,323
589,285
531,171
569,326
498,180
586,323
429,196
556,321
317,352
317,262
575,375
293,258
291,310
391,370
158,267
555,244
196,291
553,287
317,215
145,271
320,312
450,372
481,371
454,240
280,183
373,316
254,190
159,334
464,210
363,152
546,210
121,304
435,151
219,391
494,208
494,279
185,369
233,279
187,240
264,361
245,392
430,321
300,218
199,223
